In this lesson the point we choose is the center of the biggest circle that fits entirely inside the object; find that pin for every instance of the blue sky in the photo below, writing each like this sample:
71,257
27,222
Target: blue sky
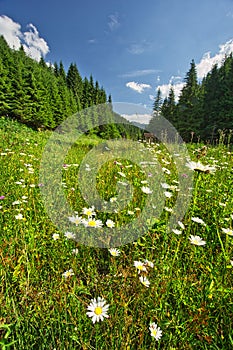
130,47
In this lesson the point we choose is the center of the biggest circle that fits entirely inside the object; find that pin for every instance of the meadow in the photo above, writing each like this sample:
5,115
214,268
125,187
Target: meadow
164,290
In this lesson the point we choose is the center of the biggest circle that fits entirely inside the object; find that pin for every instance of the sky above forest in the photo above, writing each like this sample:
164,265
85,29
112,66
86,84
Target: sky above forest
131,47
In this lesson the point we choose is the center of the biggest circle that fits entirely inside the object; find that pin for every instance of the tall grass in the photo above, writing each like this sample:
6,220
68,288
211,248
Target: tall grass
190,291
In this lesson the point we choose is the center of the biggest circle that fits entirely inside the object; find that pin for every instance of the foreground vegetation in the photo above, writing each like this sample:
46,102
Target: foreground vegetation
48,280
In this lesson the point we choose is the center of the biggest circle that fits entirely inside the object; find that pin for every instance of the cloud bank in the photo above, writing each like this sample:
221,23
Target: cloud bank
203,67
137,87
34,46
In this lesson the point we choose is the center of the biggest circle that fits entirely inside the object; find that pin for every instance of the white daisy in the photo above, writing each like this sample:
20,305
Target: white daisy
146,190
177,232
69,235
114,251
56,236
156,332
91,222
110,223
197,240
19,217
140,266
181,225
149,263
97,309
68,273
168,194
76,219
228,231
144,281
198,166
198,220
89,211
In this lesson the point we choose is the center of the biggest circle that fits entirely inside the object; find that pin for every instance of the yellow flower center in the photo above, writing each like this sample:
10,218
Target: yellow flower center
98,310
77,221
154,332
92,223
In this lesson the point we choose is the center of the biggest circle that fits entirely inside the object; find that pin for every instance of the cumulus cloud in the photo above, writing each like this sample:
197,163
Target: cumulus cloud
207,62
137,87
203,67
139,73
114,22
11,32
33,45
139,118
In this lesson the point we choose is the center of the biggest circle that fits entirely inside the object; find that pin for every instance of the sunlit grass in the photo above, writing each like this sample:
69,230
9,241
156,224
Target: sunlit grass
48,279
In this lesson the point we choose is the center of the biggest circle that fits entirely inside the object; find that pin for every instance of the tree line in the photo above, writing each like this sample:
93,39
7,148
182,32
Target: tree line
204,109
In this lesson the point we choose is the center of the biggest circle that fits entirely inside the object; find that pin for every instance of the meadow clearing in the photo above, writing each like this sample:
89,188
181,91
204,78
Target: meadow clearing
165,290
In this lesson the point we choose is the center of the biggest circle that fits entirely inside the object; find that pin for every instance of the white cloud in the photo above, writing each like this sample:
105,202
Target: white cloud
33,45
11,32
207,62
166,87
137,87
114,22
139,118
139,73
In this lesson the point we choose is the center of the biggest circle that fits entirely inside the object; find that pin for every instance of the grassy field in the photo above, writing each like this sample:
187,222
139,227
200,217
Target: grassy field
48,279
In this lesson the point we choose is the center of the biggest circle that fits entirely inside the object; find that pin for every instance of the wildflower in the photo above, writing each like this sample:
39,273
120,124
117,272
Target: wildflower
140,266
92,223
32,185
114,251
165,185
16,202
69,235
97,309
56,236
168,194
146,190
75,251
144,281
149,263
130,212
198,166
168,209
68,273
122,174
19,217
2,197
110,223
228,231
231,261
89,211
198,220
197,240
177,232
156,332
75,219
181,224
113,199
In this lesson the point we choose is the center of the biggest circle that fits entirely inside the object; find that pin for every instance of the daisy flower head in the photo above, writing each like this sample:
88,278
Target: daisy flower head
76,219
97,309
69,235
198,220
68,273
89,211
197,240
148,263
228,231
144,281
177,232
56,236
110,223
146,190
114,251
92,222
19,217
156,332
140,266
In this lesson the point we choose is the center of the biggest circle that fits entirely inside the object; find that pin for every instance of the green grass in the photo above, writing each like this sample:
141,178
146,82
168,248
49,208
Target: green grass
191,287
